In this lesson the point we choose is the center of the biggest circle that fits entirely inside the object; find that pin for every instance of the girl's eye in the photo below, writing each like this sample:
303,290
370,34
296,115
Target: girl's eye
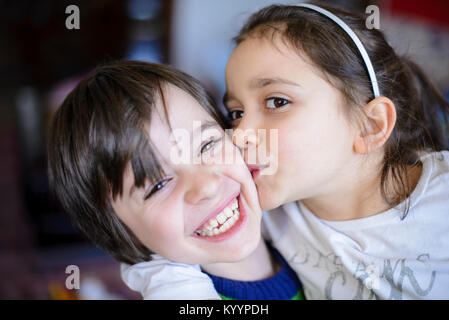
275,103
157,187
235,114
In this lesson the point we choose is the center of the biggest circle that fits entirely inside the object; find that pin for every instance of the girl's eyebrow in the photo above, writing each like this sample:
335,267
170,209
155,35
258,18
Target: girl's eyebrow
260,83
263,82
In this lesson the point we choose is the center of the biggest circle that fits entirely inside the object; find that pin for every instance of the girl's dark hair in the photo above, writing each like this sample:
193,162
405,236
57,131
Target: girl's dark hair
100,128
422,112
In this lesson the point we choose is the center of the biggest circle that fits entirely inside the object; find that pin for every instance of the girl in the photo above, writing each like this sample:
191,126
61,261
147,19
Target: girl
359,203
113,163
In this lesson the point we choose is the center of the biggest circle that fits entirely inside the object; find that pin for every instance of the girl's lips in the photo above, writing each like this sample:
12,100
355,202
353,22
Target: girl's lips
255,173
255,170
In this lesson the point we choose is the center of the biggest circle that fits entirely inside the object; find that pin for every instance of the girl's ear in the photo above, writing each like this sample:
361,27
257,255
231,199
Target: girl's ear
380,119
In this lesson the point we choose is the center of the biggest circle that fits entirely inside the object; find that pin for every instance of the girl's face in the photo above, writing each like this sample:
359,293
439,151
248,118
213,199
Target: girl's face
276,88
205,209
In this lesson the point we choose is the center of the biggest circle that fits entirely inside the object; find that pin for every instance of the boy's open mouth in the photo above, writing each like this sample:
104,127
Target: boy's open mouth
222,222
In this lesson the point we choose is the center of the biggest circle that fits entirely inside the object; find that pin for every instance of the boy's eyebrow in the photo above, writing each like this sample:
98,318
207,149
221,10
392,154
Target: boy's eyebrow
206,125
260,83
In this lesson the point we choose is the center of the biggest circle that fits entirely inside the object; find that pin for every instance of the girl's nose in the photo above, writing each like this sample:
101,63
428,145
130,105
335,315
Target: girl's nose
204,185
245,137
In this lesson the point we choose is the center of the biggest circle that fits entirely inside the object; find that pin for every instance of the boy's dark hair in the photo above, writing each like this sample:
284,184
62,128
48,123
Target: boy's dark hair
97,131
422,112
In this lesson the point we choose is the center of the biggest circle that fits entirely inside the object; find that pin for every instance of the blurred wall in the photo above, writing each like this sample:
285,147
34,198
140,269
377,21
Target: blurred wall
201,33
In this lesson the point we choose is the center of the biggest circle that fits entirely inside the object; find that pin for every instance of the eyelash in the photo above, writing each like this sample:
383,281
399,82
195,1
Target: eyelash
232,113
278,98
211,142
157,187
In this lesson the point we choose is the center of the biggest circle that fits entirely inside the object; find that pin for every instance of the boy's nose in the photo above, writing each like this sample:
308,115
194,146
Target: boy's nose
204,185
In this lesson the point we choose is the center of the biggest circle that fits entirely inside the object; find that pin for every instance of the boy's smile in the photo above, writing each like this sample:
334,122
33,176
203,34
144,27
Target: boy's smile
223,222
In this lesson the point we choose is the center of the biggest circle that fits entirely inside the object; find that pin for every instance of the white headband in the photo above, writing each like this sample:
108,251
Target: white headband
358,43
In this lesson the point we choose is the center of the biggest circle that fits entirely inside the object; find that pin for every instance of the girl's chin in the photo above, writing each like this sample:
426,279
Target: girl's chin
269,195
267,199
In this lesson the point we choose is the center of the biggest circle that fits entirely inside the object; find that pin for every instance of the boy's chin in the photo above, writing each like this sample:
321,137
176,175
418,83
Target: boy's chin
237,256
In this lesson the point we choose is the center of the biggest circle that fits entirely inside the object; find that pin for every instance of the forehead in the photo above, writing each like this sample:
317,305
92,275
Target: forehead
185,117
265,51
182,110
259,58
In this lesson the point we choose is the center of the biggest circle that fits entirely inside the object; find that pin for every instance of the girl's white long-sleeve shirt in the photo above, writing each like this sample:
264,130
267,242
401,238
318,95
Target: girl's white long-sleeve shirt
379,257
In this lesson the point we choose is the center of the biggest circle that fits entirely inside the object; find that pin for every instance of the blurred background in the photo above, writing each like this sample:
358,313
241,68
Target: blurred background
41,61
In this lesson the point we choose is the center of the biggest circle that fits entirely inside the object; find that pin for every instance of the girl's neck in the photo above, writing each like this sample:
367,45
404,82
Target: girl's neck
257,266
360,198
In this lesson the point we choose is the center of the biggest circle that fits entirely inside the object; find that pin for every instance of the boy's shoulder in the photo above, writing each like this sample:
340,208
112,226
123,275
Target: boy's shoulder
162,279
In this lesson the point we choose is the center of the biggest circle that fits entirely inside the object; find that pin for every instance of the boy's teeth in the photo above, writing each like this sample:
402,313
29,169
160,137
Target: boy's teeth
228,212
213,223
222,222
221,218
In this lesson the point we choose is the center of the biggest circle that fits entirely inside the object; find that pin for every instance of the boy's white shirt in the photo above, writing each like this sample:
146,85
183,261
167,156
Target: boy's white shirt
161,279
378,257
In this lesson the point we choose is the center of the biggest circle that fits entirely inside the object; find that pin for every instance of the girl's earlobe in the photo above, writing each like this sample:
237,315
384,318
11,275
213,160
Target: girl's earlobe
360,146
379,122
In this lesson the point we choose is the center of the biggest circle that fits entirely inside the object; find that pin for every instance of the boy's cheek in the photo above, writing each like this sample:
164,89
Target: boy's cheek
160,235
231,154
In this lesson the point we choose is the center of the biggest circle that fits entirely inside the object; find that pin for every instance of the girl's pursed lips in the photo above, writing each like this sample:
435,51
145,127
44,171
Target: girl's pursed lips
255,169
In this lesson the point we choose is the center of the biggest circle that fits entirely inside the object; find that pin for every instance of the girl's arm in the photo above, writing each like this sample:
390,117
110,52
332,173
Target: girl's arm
162,279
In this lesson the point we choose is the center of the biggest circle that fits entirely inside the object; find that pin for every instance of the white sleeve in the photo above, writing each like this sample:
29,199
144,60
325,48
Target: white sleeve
162,279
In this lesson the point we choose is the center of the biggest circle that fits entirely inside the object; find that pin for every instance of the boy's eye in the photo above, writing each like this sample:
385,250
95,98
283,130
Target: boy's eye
157,187
208,145
235,114
275,102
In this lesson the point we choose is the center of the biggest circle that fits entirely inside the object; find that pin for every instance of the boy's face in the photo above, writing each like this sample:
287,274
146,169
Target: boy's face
278,89
205,209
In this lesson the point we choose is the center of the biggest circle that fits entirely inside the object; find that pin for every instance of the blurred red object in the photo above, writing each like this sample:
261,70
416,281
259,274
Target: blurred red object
433,11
